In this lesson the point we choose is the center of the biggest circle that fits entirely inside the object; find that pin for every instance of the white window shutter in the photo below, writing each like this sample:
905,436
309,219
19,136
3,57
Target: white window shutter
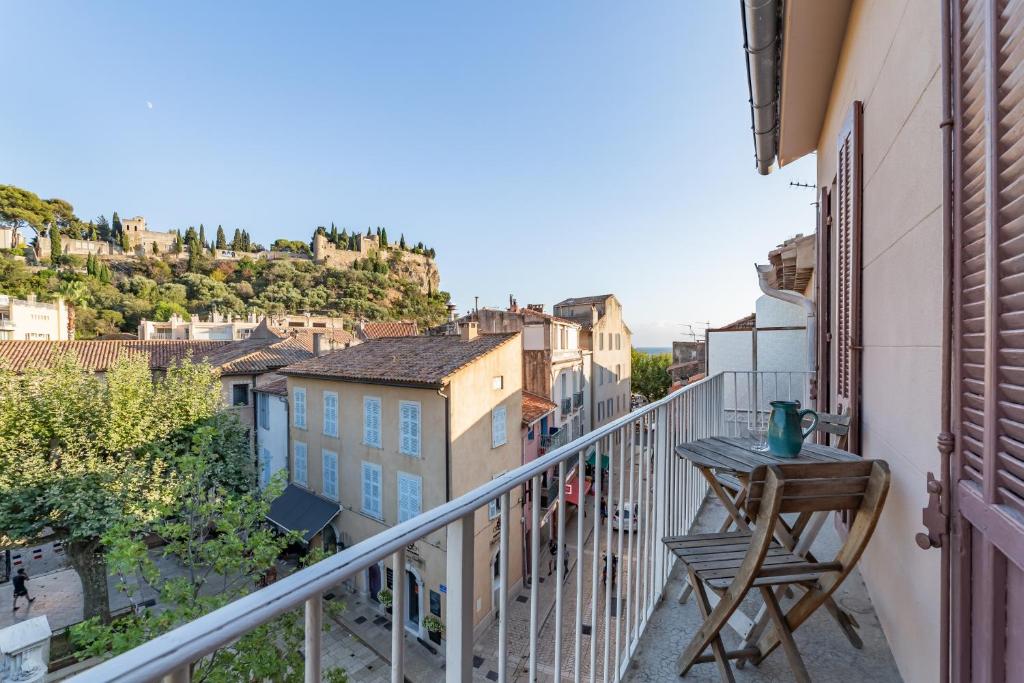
498,427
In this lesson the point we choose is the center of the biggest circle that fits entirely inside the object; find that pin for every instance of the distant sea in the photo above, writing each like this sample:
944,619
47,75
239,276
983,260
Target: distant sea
654,350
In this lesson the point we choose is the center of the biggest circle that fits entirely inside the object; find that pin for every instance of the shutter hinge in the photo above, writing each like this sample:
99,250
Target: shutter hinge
935,520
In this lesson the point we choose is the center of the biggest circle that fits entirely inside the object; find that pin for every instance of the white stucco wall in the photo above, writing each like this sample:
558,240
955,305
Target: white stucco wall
273,437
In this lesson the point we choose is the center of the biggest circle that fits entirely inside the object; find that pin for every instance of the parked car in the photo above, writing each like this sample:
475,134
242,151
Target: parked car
625,518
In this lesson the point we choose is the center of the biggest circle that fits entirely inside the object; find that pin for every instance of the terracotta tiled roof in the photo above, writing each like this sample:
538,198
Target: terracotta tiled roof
99,356
535,407
273,383
584,300
527,312
387,328
269,348
400,360
745,323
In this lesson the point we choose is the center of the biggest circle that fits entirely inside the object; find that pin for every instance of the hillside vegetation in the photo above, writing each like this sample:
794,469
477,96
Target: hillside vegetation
113,295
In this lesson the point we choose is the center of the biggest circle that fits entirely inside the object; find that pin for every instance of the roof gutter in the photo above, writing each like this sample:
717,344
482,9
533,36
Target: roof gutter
800,300
761,43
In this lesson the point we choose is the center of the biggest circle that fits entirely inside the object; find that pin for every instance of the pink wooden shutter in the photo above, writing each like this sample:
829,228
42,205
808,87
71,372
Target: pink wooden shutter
988,335
823,296
848,217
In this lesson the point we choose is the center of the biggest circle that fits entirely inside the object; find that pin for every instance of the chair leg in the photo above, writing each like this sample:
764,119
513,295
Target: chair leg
727,523
710,631
796,662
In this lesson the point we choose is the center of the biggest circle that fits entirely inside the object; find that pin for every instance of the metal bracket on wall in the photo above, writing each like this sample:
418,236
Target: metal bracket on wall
935,521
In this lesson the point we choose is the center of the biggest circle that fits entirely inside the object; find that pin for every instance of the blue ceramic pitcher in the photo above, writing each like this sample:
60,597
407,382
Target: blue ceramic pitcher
785,433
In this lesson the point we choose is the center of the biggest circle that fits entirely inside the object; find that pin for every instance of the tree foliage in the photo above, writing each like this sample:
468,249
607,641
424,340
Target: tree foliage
224,547
649,374
80,454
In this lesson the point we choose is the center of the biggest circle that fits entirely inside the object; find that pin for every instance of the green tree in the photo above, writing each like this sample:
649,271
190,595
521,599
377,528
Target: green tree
81,455
236,240
649,374
103,228
21,209
126,242
222,240
179,243
55,250
202,236
401,242
383,237
115,227
226,547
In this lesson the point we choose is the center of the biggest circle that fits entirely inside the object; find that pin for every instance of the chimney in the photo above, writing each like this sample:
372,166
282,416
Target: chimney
539,308
318,344
452,312
468,331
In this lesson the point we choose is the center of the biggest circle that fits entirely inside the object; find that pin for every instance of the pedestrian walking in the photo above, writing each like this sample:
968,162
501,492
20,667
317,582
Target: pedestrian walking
553,552
20,589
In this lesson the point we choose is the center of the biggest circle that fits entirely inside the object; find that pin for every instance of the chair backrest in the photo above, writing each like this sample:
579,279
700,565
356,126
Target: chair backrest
817,487
833,423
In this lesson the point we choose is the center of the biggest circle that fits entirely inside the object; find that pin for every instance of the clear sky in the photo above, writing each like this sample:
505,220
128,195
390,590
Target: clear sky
545,150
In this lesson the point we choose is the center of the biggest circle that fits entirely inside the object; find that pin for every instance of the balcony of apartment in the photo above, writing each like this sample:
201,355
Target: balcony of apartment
577,400
575,619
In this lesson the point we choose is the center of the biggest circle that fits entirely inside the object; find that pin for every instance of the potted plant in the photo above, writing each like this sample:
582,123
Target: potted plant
433,624
385,598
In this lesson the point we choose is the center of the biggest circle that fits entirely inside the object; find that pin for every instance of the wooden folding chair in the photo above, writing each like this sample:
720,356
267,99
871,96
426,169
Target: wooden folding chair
832,423
733,563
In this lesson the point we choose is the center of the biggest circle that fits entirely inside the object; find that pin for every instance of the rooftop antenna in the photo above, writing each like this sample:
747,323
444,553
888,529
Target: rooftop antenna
807,185
476,304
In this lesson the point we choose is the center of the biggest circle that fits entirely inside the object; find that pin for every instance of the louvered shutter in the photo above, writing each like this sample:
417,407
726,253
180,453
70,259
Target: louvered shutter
371,421
371,489
988,338
409,496
409,428
848,221
498,430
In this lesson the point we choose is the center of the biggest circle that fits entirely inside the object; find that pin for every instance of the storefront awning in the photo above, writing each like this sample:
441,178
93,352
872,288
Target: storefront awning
591,458
300,510
572,491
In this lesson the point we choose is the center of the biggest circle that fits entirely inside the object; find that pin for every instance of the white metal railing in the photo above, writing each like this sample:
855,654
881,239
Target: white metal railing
747,396
663,492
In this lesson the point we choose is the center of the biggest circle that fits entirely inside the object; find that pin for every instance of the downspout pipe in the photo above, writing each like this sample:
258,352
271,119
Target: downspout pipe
761,43
800,300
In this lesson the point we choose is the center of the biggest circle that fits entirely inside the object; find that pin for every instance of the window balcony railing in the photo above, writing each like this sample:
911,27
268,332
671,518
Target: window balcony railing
665,492
577,400
566,405
555,439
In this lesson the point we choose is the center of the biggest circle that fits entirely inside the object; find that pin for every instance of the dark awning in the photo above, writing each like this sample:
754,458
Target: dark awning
300,510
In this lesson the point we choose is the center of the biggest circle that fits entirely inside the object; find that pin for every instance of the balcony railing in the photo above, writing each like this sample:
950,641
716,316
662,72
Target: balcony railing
665,492
553,440
566,405
577,400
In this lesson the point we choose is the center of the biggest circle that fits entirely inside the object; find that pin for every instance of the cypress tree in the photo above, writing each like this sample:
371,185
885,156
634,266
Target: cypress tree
55,250
368,232
202,234
115,223
383,237
401,242
222,240
236,240
126,242
343,239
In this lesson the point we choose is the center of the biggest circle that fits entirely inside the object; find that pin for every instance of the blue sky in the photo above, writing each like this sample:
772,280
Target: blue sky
545,150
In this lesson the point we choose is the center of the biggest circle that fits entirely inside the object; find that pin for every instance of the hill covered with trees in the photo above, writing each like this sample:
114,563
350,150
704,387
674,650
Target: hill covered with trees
113,295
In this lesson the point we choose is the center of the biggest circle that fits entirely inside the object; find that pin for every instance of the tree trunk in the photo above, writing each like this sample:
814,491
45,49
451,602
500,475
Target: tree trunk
92,570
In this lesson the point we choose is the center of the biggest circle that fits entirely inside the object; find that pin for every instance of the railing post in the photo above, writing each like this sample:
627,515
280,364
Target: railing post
314,631
660,483
398,608
459,612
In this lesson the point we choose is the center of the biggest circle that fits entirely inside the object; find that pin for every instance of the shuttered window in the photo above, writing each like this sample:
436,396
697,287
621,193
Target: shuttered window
409,427
823,296
300,407
989,290
301,471
410,496
330,471
330,413
371,421
848,221
499,424
264,467
371,489
263,406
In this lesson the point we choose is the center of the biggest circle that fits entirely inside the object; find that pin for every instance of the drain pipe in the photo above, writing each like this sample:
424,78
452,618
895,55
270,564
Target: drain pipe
809,308
761,43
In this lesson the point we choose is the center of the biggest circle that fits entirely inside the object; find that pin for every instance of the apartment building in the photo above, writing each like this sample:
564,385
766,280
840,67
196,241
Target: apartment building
604,333
29,319
398,425
219,326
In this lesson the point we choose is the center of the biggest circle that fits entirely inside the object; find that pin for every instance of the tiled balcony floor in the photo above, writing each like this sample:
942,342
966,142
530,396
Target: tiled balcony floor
825,650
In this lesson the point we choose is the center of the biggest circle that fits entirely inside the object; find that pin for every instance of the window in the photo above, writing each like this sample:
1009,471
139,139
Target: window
371,489
618,341
263,410
330,474
264,467
608,411
494,507
300,407
371,421
330,413
410,496
499,429
239,394
600,341
600,411
498,382
600,376
564,379
301,476
618,371
530,434
409,428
